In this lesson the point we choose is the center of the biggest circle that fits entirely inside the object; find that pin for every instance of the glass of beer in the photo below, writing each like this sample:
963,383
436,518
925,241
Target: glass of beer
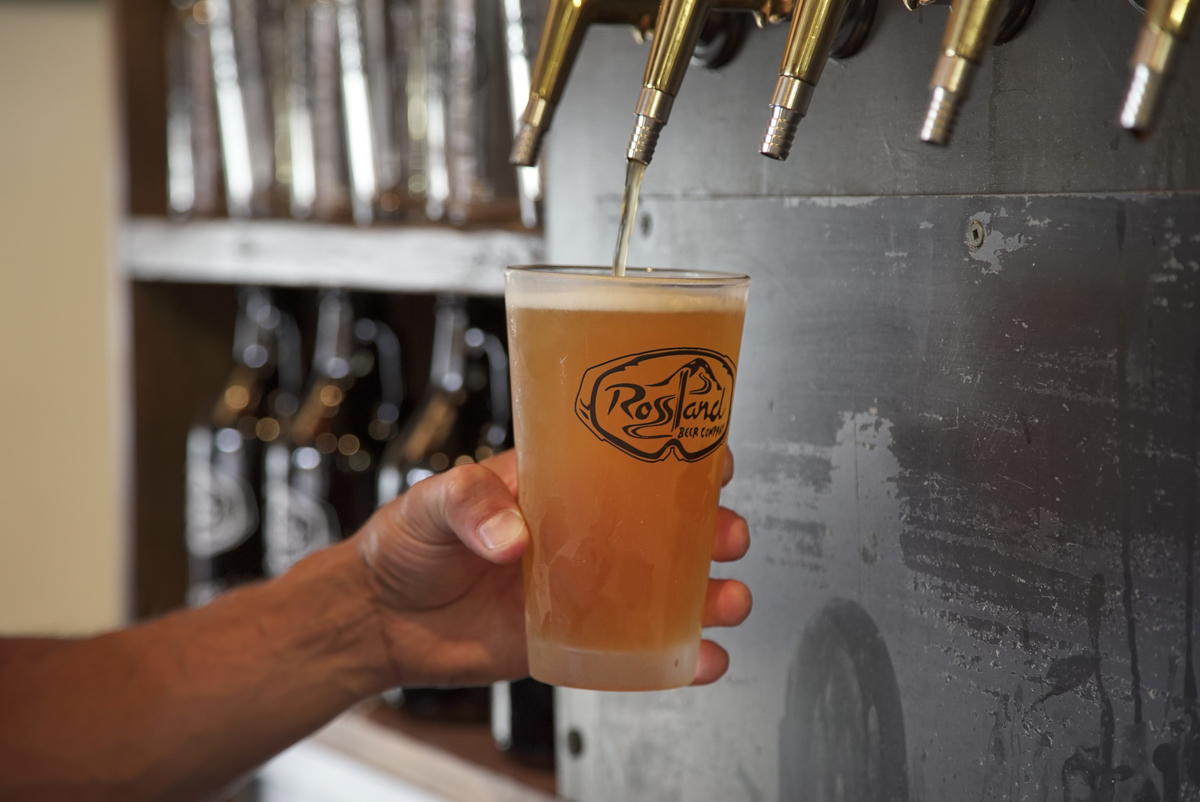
622,389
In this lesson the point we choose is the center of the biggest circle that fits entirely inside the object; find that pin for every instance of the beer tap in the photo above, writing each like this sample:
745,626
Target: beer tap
566,23
820,29
1154,57
676,32
969,32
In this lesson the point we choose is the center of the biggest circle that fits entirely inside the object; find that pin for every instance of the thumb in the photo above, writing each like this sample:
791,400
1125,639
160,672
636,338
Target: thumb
472,504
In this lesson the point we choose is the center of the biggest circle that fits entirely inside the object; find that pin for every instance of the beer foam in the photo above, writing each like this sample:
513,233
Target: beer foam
626,298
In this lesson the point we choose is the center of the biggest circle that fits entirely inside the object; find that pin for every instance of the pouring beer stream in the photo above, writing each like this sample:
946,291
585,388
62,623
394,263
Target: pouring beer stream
634,173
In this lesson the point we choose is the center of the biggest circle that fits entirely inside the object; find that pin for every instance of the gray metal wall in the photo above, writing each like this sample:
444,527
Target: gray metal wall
970,472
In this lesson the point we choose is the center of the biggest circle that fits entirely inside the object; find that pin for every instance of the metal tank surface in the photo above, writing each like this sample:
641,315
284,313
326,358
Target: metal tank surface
966,423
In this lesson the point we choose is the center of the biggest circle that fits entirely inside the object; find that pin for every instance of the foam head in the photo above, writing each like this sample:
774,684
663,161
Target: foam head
639,290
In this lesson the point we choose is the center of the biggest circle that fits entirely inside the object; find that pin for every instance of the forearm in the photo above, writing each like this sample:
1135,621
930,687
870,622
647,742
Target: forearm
180,707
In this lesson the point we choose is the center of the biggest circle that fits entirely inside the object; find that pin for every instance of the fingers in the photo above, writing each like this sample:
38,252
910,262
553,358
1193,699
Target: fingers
504,465
732,540
727,467
727,603
473,504
713,663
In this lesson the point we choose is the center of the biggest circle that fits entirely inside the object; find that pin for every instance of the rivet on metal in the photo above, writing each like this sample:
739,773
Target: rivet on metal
975,235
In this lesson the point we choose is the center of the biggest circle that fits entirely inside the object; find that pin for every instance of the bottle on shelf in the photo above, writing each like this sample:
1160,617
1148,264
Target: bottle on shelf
235,40
423,446
298,516
409,104
310,146
366,421
320,471
224,450
193,149
366,50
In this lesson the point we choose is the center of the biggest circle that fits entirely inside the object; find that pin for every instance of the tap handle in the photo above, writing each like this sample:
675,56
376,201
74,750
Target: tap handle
676,33
815,27
562,33
675,36
969,32
1163,32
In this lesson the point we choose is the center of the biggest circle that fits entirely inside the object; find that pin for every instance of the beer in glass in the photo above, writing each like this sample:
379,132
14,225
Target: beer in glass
622,390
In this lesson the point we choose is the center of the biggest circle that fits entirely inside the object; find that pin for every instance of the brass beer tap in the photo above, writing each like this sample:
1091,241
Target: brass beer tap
675,35
816,25
1163,34
566,24
969,32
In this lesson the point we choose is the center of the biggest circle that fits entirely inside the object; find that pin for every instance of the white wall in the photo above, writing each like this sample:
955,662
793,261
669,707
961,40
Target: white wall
62,546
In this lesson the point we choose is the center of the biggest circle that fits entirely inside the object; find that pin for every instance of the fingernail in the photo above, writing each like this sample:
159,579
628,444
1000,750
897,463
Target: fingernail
502,529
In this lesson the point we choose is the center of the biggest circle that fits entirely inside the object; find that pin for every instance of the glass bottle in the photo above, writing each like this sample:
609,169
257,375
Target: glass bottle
409,104
366,421
367,97
223,461
298,516
193,149
310,140
235,40
420,450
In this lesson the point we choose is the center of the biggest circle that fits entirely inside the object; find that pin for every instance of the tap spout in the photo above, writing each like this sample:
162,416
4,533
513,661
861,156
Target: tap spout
676,32
969,32
1163,34
566,24
815,25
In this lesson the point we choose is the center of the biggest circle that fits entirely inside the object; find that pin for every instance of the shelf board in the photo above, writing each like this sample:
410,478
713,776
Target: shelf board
423,765
297,254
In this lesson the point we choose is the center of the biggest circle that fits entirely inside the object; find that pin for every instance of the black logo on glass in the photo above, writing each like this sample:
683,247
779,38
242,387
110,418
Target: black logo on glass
652,404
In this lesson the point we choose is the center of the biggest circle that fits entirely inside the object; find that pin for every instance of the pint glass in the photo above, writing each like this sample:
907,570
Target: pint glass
622,389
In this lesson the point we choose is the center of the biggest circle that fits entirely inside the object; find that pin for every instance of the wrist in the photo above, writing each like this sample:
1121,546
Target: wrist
331,597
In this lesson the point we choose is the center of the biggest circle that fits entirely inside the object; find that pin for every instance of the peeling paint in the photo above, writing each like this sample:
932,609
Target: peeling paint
994,244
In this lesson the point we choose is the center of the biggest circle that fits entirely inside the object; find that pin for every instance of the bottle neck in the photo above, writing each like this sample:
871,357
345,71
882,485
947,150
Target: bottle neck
331,376
289,356
335,328
254,343
449,346
254,333
387,364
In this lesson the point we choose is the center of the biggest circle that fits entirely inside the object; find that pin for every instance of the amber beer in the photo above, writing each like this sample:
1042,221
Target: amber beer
622,390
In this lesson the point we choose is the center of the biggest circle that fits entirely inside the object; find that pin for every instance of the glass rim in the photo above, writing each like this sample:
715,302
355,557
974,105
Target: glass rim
661,277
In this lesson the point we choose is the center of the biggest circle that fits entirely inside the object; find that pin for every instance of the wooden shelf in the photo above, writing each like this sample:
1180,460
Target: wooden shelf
447,765
297,254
